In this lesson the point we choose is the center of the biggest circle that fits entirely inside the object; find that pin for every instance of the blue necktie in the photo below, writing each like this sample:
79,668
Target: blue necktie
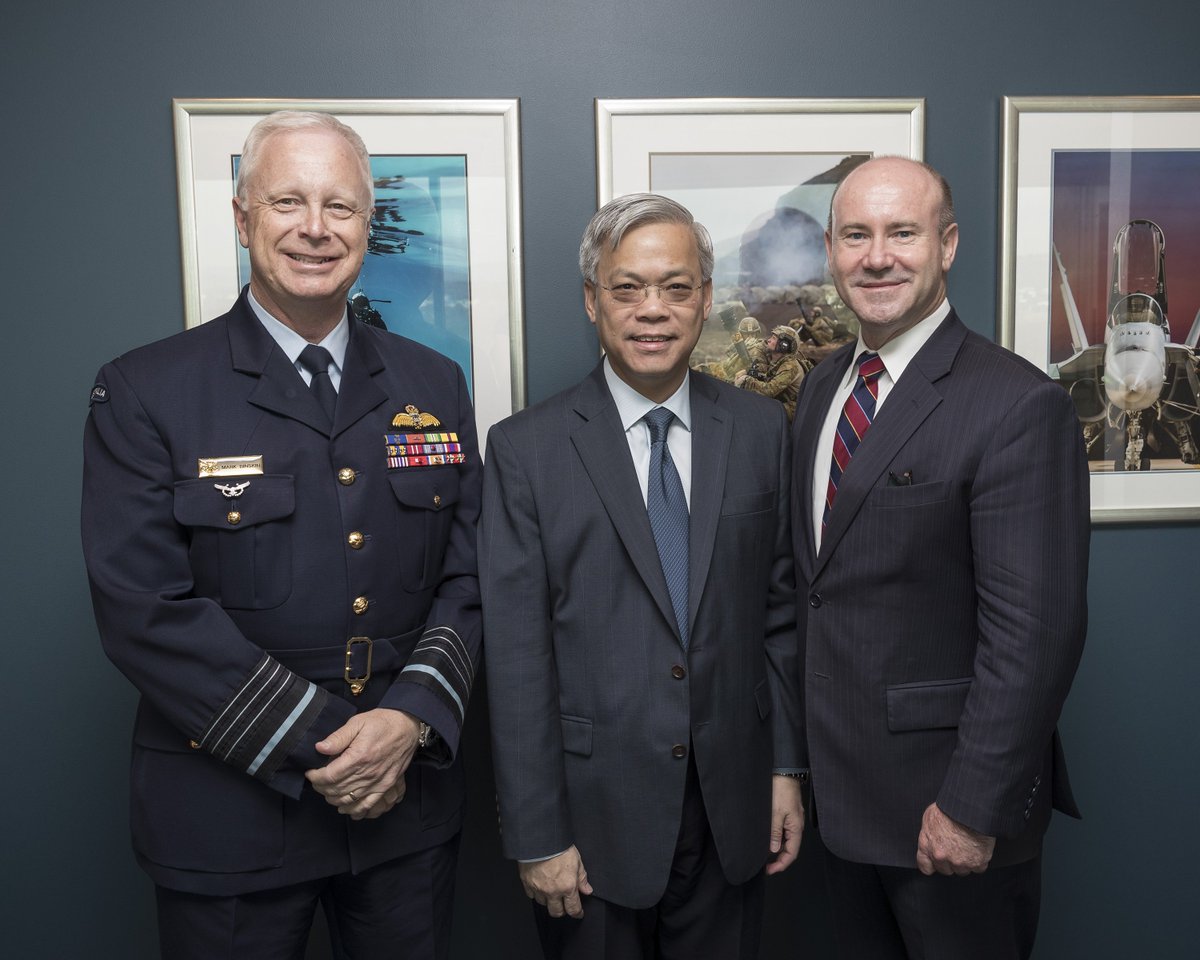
316,360
667,507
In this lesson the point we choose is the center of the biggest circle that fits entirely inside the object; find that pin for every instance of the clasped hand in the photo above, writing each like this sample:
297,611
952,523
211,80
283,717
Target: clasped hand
371,752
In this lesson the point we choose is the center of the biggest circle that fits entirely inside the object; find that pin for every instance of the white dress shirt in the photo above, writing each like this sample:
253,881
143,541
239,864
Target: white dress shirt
632,406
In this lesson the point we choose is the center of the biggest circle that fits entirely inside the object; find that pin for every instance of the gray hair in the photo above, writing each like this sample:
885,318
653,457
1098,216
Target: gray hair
617,217
946,215
286,121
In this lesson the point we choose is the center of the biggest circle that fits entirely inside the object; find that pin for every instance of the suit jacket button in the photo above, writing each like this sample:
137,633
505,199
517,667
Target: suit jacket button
360,605
193,744
234,517
346,476
678,672
355,539
814,600
679,751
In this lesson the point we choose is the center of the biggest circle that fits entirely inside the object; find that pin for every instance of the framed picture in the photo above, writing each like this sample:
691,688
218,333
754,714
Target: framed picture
1100,213
759,174
443,263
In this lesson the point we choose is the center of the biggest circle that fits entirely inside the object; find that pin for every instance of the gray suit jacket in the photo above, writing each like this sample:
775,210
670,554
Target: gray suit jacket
592,697
943,618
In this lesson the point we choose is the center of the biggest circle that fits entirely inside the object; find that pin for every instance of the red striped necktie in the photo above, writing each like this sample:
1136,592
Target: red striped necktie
852,425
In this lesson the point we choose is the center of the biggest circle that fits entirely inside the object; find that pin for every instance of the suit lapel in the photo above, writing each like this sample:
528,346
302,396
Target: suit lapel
711,436
600,442
911,401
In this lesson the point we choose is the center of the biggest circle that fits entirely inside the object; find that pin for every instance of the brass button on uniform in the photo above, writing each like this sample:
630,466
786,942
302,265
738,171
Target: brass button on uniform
355,539
360,605
437,499
233,517
678,672
346,476
679,751
193,744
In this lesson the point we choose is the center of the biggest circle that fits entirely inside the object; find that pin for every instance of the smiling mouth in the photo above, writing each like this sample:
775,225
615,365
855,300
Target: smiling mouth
651,338
300,258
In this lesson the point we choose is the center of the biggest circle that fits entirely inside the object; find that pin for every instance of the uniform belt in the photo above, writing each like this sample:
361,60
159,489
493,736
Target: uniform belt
355,661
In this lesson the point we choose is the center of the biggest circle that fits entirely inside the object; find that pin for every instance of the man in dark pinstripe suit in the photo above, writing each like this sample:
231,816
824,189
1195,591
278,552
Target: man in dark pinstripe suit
943,562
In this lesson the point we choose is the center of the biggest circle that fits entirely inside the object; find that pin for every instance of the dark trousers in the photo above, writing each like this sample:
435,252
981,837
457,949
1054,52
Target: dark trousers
701,916
399,910
896,913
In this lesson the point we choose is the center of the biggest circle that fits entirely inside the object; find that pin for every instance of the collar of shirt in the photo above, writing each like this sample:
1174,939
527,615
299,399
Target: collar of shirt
897,353
632,406
291,343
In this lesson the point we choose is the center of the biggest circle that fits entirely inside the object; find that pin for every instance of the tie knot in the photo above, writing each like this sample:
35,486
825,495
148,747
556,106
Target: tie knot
315,359
658,420
870,365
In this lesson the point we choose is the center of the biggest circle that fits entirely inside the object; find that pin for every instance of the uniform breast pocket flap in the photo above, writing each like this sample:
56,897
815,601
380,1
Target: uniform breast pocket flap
425,496
234,503
241,538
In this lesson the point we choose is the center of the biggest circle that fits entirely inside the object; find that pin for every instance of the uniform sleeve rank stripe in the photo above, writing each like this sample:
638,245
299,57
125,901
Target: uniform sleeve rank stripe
262,721
440,663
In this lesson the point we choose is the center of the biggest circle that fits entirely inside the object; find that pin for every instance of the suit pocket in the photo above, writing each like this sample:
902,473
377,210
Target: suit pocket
762,697
241,546
426,498
577,735
746,503
927,705
917,495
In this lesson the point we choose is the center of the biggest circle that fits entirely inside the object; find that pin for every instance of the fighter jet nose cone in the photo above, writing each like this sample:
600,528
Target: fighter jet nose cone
1133,380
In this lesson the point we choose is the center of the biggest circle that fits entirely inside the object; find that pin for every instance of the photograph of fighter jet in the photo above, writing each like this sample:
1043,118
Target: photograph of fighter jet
1123,223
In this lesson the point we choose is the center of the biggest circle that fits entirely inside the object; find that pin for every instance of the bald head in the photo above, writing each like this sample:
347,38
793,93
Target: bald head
946,202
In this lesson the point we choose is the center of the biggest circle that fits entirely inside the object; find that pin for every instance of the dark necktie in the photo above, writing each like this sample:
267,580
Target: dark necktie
852,425
667,507
316,360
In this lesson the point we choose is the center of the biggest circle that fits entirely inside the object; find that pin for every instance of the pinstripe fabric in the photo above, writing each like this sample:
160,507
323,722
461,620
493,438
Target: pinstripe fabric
944,618
667,508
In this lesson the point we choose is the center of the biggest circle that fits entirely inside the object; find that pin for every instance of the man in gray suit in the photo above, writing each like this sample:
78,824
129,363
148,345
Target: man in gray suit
941,532
639,613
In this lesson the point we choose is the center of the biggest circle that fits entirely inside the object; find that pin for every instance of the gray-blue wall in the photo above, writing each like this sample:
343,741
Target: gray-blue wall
90,267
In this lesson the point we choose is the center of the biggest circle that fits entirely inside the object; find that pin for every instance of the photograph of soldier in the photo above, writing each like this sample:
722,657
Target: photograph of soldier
780,376
767,218
746,347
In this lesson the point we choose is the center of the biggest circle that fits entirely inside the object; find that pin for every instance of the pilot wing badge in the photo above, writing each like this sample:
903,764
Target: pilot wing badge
414,419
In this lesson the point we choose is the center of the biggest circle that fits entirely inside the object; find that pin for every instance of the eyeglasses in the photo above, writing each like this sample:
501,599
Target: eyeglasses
674,293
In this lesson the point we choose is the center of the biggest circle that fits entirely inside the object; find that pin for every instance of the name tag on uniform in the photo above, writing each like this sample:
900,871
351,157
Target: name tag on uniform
231,466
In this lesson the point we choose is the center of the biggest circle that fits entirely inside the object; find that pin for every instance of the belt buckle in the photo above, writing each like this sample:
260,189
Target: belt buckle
357,684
